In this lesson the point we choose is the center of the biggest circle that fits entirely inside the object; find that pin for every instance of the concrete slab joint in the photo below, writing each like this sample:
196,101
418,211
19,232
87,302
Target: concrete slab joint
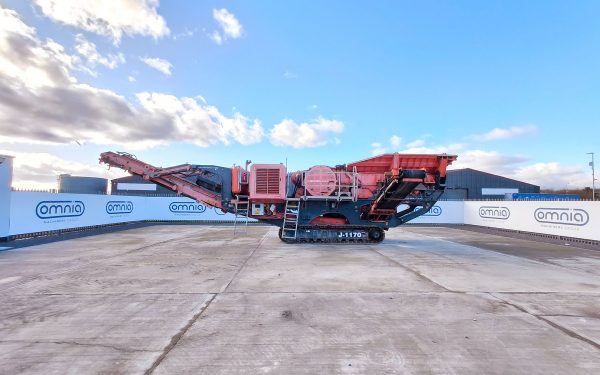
195,299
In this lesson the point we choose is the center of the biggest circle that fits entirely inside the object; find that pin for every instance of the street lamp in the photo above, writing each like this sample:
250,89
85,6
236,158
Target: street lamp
593,177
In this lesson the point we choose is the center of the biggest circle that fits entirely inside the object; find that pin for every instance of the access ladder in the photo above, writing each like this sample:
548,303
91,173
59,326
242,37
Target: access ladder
242,207
290,218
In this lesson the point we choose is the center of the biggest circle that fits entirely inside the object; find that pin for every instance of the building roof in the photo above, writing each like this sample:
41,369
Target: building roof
471,170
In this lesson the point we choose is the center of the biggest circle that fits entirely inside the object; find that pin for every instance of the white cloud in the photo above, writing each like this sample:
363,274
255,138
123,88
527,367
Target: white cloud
547,175
89,52
553,175
289,75
202,123
416,143
230,26
40,101
395,142
419,147
377,149
161,65
487,161
28,61
216,37
39,170
506,133
131,78
452,148
313,134
185,34
108,18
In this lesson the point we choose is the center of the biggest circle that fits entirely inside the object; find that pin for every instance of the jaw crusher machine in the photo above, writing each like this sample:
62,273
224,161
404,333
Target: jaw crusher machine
351,203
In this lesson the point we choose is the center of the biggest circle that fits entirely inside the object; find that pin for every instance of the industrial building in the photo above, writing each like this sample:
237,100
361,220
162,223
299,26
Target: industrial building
82,185
461,184
136,185
469,183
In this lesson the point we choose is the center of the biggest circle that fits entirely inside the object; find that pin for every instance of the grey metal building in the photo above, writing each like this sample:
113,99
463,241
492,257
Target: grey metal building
81,185
469,183
136,185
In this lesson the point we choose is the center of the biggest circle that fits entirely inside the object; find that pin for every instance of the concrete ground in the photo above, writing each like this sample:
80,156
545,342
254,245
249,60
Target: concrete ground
193,299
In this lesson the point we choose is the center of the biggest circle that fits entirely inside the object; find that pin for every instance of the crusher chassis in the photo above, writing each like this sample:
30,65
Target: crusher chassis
349,203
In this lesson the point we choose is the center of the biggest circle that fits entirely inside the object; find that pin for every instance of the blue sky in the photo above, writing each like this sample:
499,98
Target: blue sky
512,87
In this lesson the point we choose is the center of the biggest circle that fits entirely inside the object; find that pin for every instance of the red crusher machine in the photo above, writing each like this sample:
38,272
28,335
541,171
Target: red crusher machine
351,203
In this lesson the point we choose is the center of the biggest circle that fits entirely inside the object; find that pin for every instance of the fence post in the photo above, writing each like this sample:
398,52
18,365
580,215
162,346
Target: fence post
6,171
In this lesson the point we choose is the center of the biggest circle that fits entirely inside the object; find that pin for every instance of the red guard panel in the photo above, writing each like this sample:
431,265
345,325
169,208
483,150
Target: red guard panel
373,171
268,182
393,162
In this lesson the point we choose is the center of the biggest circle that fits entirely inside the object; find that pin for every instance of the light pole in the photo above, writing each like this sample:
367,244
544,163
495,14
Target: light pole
593,177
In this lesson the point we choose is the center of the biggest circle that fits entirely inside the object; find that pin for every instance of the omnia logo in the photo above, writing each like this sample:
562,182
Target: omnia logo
56,209
490,212
187,207
434,211
566,216
119,207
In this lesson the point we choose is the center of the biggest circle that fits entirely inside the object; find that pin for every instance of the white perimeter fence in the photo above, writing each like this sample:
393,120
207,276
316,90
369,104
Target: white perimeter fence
33,212
578,219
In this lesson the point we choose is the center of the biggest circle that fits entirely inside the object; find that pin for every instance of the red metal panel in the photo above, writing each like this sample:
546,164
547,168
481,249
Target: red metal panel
320,181
389,162
239,180
267,182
